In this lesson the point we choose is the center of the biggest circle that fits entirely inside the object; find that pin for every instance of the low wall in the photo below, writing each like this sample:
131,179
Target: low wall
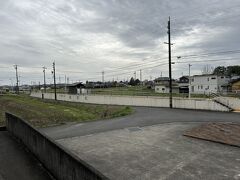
149,101
60,162
234,103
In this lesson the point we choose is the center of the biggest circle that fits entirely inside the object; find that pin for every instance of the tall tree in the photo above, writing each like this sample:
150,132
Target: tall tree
132,82
220,70
233,70
137,82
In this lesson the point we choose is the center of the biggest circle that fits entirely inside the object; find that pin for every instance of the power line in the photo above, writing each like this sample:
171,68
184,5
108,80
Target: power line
210,53
183,56
211,60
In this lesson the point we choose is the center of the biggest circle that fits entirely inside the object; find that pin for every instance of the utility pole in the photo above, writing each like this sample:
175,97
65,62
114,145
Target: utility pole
17,88
19,79
54,80
189,81
65,84
135,75
44,78
141,76
102,76
68,80
170,63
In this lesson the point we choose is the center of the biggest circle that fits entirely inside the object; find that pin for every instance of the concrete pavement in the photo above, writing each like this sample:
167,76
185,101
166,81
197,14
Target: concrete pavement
143,116
158,152
149,145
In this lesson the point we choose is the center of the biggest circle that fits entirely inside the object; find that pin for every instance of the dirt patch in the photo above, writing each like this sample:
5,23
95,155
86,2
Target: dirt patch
226,133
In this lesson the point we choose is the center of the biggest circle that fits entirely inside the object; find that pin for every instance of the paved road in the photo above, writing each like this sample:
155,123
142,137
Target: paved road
17,163
143,116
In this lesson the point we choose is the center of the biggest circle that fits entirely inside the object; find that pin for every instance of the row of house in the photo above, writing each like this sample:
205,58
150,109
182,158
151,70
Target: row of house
199,84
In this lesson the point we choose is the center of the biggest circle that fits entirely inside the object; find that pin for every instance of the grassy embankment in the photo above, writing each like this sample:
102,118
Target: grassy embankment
48,112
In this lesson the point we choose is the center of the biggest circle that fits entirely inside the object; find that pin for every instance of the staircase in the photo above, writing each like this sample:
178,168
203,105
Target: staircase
214,97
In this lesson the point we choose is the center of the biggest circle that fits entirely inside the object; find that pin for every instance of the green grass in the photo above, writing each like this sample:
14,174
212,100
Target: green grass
139,91
48,112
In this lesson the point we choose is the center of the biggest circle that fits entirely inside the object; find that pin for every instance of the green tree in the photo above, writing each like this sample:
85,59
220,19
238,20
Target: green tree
132,82
137,82
233,70
220,70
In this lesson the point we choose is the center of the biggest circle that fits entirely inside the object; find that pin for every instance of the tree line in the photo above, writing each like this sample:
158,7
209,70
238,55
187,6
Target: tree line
227,71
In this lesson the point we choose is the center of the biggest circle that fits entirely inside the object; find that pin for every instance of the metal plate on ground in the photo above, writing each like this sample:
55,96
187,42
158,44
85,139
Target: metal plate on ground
134,129
226,133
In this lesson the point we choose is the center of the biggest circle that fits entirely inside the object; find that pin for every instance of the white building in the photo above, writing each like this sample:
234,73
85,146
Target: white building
164,88
206,84
161,89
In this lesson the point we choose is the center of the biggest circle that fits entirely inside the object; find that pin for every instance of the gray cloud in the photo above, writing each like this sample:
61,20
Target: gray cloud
91,36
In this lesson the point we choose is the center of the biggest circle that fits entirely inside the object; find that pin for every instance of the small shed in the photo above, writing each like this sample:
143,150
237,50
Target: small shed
161,88
75,88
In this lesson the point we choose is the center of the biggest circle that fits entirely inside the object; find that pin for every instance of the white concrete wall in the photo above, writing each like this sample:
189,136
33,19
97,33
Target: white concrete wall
234,103
149,101
200,104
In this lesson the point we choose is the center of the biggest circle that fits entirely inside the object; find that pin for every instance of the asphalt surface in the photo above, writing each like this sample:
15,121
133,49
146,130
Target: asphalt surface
143,116
17,163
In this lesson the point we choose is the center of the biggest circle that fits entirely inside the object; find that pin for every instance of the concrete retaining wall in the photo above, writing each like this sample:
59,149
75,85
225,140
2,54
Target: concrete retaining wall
234,103
150,101
60,162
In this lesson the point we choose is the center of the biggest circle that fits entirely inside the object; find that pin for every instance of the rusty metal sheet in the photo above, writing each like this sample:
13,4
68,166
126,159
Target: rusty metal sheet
226,133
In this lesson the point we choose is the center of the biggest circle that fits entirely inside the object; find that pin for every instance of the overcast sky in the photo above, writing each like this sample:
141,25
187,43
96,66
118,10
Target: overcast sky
86,37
